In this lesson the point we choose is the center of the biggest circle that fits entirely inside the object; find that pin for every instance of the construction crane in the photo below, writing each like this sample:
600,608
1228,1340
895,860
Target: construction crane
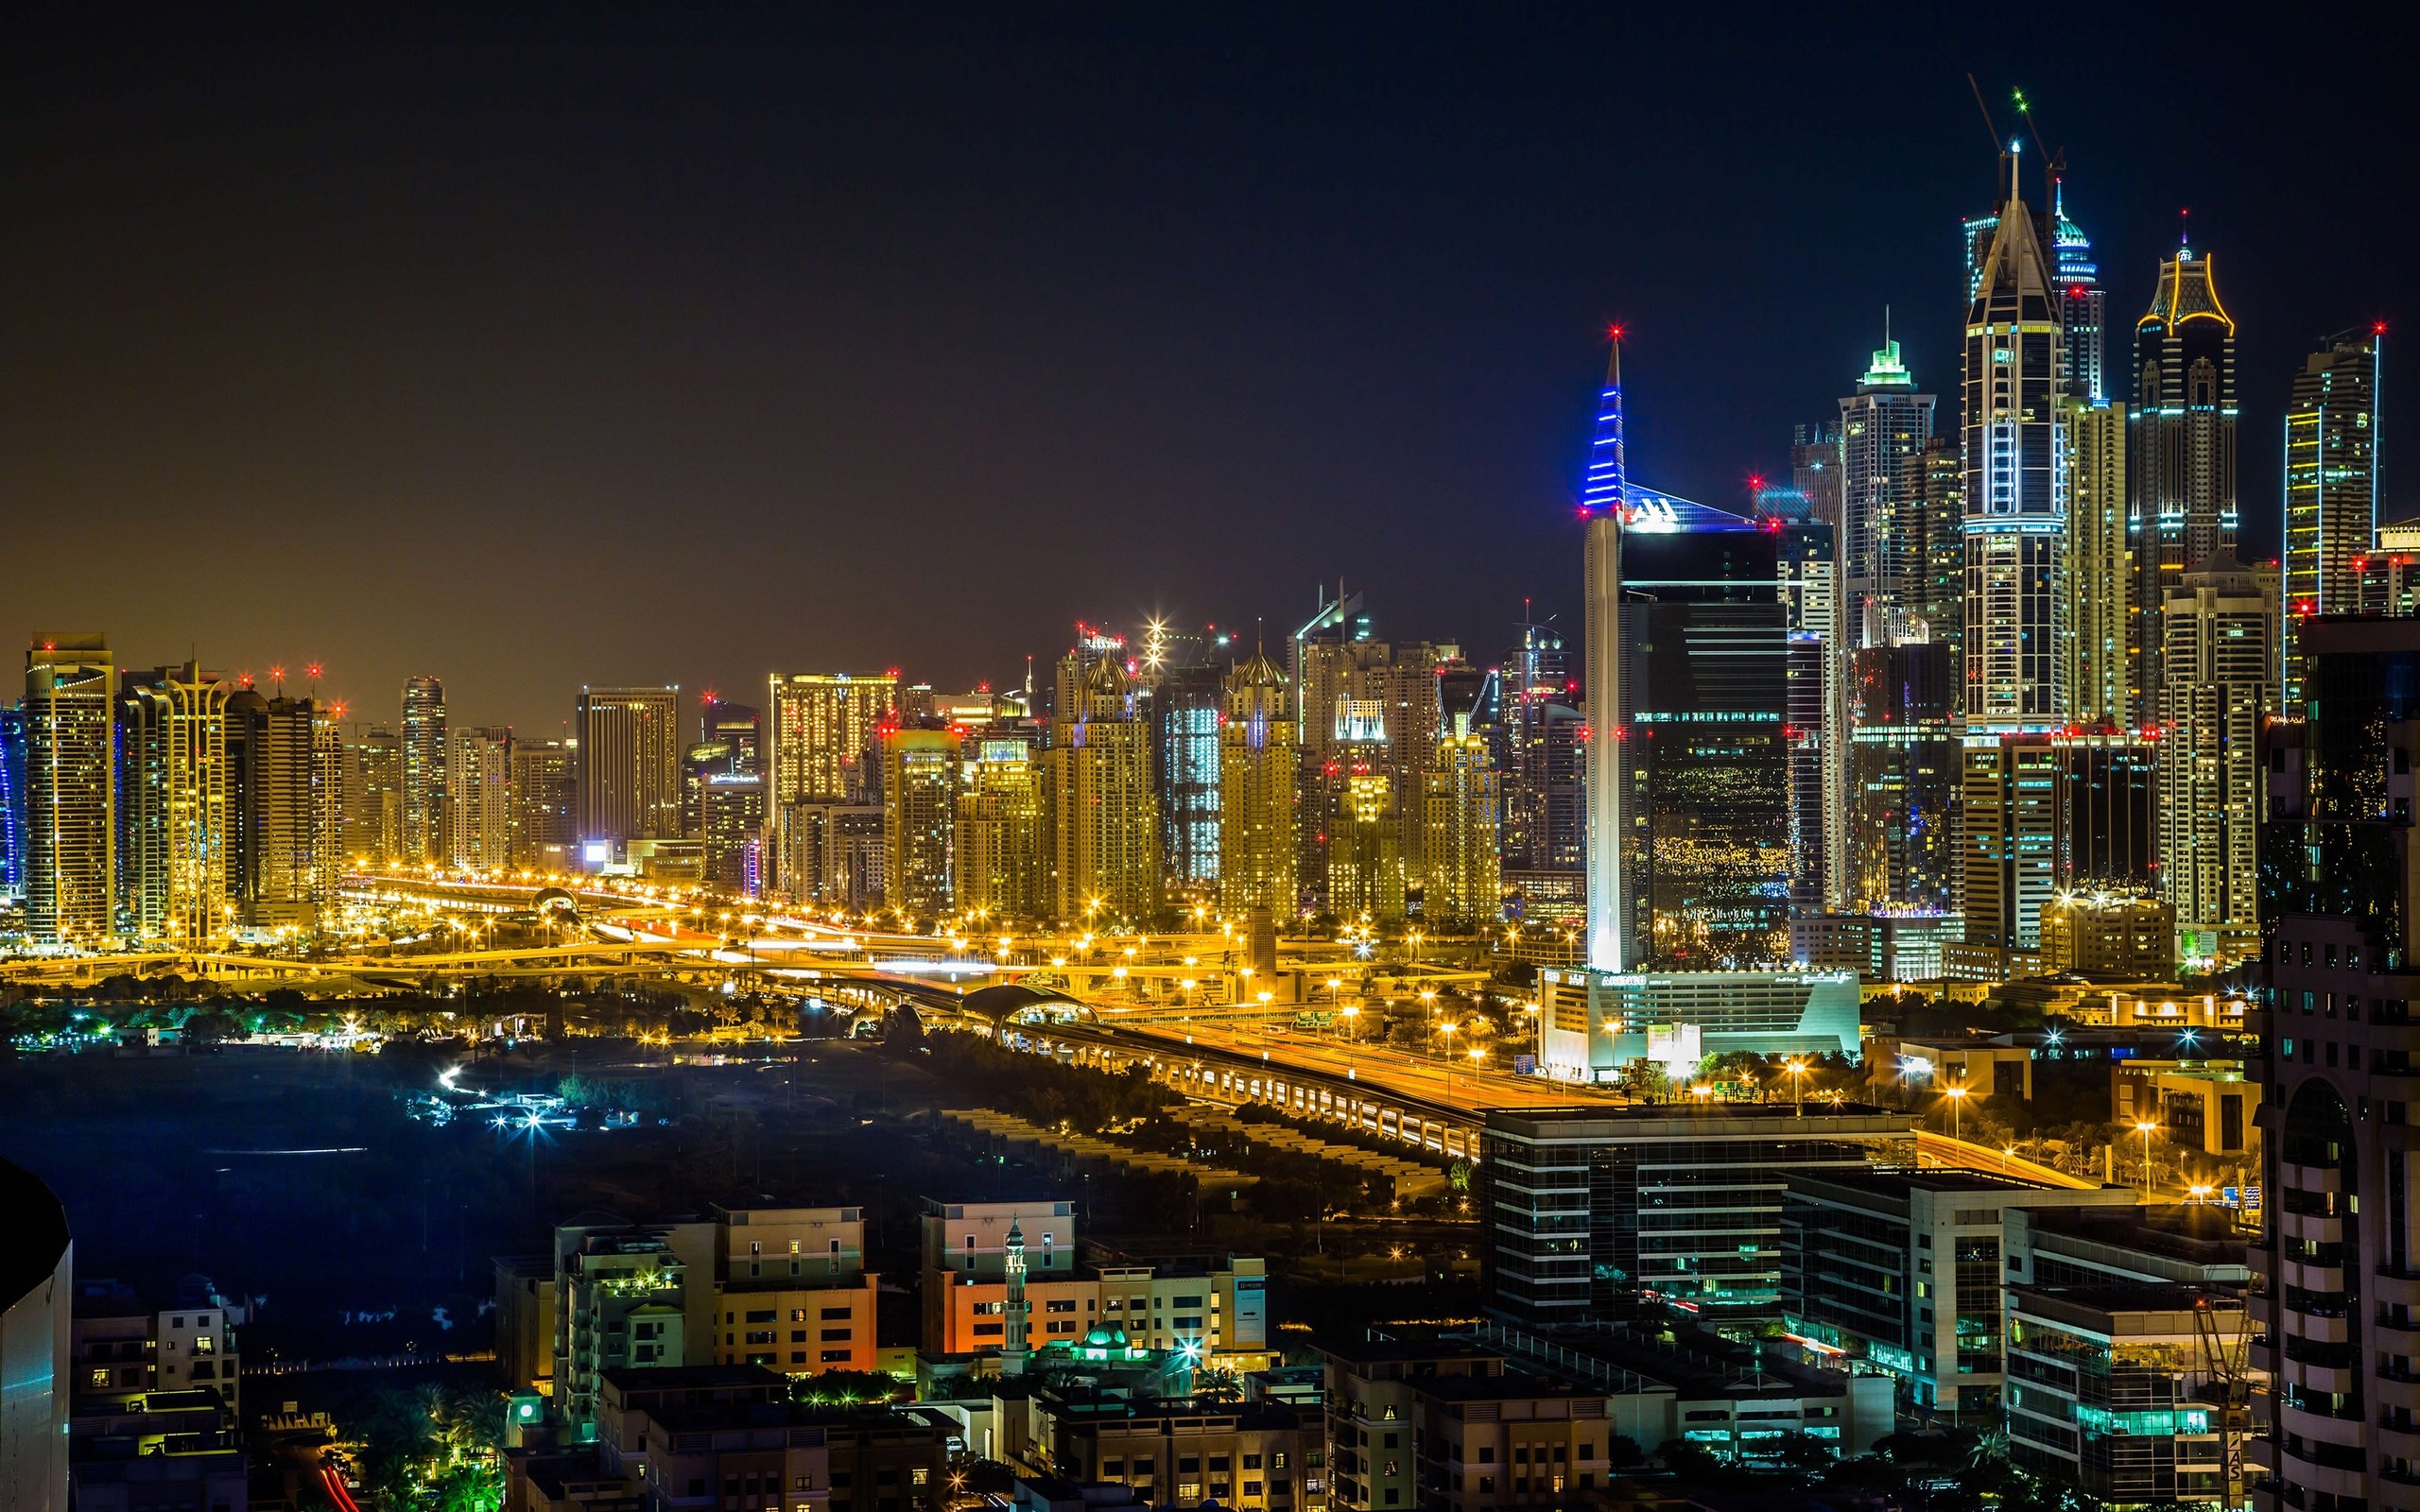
2226,1361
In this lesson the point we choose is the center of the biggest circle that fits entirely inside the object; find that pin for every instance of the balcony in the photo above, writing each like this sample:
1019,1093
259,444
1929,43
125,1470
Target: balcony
2309,1177
2324,1228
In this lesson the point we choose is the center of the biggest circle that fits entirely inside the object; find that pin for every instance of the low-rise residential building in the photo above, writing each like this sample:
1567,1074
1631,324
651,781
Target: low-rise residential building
525,1322
156,1450
722,1437
1900,1270
1267,1456
794,1291
1216,1309
120,1345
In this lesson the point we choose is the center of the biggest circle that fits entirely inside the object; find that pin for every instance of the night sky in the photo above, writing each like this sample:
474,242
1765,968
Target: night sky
659,348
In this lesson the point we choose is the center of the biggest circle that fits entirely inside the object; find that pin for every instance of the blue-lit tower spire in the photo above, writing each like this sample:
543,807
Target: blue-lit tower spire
1603,505
2083,302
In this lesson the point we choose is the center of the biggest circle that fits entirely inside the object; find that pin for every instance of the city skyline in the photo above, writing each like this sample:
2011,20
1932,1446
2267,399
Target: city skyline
741,365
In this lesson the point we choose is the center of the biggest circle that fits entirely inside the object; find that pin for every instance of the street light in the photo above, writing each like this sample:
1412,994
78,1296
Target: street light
1956,1093
1797,1070
2146,1128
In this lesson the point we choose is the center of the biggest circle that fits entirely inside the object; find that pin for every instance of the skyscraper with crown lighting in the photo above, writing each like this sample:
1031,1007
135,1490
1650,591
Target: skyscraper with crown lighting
2182,450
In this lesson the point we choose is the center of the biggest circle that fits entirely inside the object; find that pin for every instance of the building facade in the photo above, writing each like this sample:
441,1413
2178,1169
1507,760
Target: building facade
479,776
1260,855
920,788
1462,814
71,790
2184,447
2331,487
1000,841
425,832
628,765
2218,685
1104,821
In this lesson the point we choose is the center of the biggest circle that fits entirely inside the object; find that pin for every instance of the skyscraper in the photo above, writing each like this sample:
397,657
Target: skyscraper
1545,821
819,738
478,801
1258,859
2182,449
1464,883
920,783
1936,485
2008,850
738,726
2340,916
1815,469
374,828
333,773
427,834
1365,863
1604,504
628,765
1367,704
70,797
822,731
174,805
1706,813
2104,613
1000,842
12,802
2014,442
1884,426
2220,681
544,835
1104,823
2083,305
731,830
276,877
1903,778
1184,773
2331,485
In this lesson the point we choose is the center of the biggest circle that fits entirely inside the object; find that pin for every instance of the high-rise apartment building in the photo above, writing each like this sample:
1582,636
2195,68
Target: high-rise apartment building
2083,305
1360,703
1936,491
730,829
1184,773
1884,427
820,751
2015,438
821,733
1904,772
544,835
333,773
425,832
2219,684
2182,449
1000,842
478,801
628,767
2331,487
1104,821
12,802
920,781
174,806
2104,613
1545,818
1462,812
375,826
71,792
1365,863
275,876
2008,850
2108,798
1258,857
2337,1325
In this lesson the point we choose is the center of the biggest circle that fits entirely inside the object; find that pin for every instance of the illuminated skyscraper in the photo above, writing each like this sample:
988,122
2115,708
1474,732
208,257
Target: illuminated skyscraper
1604,504
2331,487
820,737
1367,704
1546,827
1258,858
479,776
2017,477
1184,773
1000,842
174,806
738,726
2108,828
1462,811
1902,775
1936,485
374,828
544,835
12,802
1365,863
332,778
920,782
1104,822
2008,851
2083,305
1884,426
275,874
2183,450
2220,681
426,833
628,765
730,827
1706,813
71,797
2103,611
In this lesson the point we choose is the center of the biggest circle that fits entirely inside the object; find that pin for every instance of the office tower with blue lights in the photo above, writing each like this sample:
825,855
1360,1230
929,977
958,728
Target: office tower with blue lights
2182,449
2331,488
1884,426
1184,772
12,802
2083,305
1688,855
